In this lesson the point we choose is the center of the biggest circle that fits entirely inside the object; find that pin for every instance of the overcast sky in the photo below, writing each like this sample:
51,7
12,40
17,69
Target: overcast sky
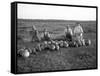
30,11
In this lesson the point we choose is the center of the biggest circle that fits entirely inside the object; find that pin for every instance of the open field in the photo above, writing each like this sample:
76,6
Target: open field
64,59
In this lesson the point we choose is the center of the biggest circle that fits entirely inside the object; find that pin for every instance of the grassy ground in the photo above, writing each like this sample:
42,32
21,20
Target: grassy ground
64,59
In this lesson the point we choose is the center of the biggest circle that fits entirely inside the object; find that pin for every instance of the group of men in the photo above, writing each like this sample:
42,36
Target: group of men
70,35
77,33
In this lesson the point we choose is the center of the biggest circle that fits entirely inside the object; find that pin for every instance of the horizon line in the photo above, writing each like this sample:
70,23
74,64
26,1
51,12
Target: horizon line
54,19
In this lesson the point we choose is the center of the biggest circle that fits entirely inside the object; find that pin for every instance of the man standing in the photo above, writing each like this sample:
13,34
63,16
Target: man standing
35,36
68,33
78,33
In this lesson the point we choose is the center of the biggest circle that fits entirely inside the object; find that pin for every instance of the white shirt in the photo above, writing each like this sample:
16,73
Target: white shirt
78,30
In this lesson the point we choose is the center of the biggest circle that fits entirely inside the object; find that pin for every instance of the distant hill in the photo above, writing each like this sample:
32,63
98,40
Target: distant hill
52,20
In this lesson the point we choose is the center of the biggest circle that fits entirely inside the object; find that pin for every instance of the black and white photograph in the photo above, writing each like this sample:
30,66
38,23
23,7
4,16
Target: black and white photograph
53,37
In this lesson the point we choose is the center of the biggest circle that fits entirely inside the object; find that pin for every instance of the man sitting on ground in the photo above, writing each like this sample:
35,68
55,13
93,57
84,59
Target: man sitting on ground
46,35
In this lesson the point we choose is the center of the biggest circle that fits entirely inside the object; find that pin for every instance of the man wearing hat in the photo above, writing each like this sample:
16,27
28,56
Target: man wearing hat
68,33
35,34
78,33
